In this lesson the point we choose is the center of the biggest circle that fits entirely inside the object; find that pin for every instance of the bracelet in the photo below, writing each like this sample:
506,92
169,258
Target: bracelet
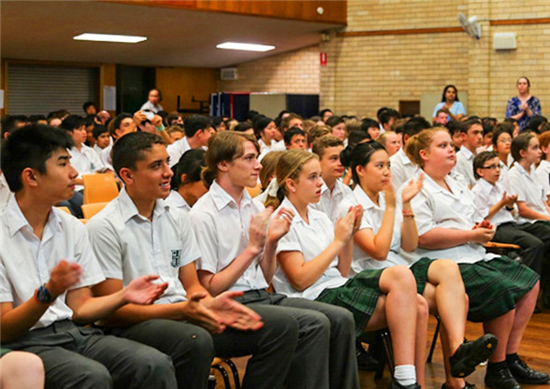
509,208
407,213
160,128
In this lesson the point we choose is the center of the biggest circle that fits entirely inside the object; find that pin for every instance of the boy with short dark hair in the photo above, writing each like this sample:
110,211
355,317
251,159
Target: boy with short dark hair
47,268
295,138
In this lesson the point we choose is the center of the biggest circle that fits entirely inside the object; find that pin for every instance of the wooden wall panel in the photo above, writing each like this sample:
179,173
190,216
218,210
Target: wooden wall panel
333,11
185,82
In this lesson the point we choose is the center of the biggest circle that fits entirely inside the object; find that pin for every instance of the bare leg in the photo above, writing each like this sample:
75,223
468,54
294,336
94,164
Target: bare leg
501,328
421,339
21,370
524,310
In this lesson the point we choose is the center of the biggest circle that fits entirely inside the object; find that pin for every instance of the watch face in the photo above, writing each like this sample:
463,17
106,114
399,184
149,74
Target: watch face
44,295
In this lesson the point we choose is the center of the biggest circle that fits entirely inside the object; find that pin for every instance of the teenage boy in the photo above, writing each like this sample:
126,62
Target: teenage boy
138,233
472,138
101,137
46,269
198,129
238,246
328,148
494,204
295,139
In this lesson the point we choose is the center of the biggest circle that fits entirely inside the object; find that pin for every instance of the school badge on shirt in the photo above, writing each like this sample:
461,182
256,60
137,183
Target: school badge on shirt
176,258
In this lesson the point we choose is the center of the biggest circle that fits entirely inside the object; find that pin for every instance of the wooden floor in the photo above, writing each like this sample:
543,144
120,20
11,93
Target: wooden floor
535,350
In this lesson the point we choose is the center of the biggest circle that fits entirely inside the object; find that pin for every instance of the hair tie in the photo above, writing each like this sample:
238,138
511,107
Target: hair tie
272,188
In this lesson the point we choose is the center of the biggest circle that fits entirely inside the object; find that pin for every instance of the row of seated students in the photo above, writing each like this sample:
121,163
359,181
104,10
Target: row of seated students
334,278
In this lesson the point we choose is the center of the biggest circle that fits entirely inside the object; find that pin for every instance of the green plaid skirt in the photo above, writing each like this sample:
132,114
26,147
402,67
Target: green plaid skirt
4,351
359,295
420,271
494,287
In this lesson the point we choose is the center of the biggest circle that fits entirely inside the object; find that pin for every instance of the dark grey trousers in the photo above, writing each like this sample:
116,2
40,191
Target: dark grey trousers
80,357
192,348
325,355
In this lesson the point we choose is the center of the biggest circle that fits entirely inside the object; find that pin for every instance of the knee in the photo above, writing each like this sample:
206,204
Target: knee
93,376
448,268
341,321
402,277
423,310
157,364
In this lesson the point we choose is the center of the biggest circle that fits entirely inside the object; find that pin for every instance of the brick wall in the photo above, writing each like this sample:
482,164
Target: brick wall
366,72
292,72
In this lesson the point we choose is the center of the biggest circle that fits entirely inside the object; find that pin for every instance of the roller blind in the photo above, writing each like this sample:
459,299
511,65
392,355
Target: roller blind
39,89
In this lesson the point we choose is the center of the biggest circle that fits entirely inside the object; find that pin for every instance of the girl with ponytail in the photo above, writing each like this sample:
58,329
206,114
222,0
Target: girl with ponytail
502,293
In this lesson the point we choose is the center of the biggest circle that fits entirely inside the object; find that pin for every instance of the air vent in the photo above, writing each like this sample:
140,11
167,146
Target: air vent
228,74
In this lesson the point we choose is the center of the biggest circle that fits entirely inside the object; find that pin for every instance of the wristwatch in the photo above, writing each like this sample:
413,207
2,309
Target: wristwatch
43,295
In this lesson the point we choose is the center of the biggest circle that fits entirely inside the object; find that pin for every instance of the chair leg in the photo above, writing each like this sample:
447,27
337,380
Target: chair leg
225,377
386,339
235,372
434,341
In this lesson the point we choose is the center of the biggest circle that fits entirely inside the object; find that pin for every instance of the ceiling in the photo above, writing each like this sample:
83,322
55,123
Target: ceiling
43,30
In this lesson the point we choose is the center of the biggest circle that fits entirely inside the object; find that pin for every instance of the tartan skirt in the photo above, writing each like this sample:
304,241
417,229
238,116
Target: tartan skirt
359,295
495,286
420,271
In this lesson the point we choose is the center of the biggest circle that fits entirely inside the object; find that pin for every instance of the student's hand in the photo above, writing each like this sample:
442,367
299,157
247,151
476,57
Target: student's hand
139,117
484,224
63,276
157,121
344,227
280,224
481,233
412,189
509,201
257,231
389,195
234,314
197,313
143,291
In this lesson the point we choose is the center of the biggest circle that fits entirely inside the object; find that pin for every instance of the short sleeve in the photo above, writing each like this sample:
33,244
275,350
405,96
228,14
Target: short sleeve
204,228
460,110
513,186
424,214
106,246
191,250
84,256
481,203
5,289
290,241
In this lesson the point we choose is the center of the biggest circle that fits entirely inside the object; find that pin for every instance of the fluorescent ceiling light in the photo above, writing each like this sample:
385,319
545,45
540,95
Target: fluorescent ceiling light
110,38
244,46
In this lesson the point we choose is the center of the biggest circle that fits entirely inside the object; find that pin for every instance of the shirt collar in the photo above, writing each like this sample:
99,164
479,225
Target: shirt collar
404,157
129,210
485,186
222,199
311,214
467,153
16,220
364,200
178,199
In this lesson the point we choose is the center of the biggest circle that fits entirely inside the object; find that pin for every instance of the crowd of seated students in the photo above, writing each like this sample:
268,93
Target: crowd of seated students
360,224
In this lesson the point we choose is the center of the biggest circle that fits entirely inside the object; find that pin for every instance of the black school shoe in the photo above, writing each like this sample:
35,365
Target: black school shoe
396,385
500,379
466,386
525,375
470,354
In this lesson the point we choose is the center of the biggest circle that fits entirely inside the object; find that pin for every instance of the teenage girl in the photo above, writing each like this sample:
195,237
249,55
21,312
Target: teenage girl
387,226
502,294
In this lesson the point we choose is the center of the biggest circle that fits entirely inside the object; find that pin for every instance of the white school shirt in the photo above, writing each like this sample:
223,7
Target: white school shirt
177,201
485,196
329,201
221,226
372,219
465,165
542,174
26,261
402,168
128,245
528,188
85,161
148,106
311,240
437,207
177,149
5,192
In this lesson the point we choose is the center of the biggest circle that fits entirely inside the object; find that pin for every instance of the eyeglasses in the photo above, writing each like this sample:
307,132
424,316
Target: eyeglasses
491,167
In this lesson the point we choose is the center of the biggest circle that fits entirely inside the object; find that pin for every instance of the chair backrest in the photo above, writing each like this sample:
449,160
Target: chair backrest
253,192
89,210
65,209
99,188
